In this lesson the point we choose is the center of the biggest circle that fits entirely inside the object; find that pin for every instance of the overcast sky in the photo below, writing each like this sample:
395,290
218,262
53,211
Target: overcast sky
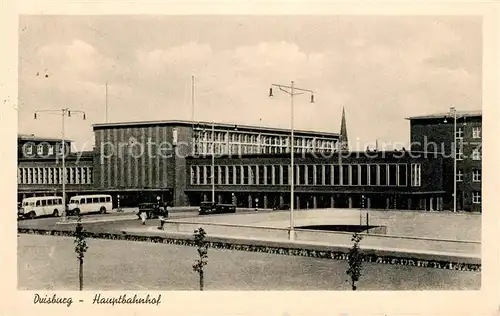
381,69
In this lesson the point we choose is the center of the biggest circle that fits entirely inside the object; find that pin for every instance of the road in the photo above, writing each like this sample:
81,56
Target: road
116,222
49,263
440,225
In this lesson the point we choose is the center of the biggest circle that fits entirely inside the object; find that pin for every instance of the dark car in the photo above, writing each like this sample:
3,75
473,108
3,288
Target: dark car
215,208
282,207
152,210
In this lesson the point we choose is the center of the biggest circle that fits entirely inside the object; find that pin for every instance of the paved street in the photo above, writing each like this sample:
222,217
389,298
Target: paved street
444,225
48,262
440,225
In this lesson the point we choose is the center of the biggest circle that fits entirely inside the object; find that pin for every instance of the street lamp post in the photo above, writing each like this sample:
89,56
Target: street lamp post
63,112
212,171
453,115
292,90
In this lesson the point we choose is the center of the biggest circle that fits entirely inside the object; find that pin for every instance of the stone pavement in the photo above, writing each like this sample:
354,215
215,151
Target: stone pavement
418,249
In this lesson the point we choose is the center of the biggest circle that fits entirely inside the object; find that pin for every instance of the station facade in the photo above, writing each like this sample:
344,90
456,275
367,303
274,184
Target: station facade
138,157
251,165
384,180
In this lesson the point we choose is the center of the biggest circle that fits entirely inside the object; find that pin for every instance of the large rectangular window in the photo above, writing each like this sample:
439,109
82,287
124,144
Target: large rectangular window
373,175
269,175
216,175
364,174
286,175
383,174
310,174
302,174
84,175
393,174
355,174
238,174
192,177
261,174
253,175
319,175
89,174
230,175
246,175
277,174
336,174
223,175
209,174
415,174
35,175
402,175
202,174
345,175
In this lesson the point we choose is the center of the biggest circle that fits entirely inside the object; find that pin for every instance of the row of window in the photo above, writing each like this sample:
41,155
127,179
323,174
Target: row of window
476,175
239,149
356,174
54,175
91,200
476,132
30,149
246,143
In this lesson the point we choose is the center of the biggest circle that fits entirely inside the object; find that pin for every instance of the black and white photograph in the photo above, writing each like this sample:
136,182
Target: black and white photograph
248,152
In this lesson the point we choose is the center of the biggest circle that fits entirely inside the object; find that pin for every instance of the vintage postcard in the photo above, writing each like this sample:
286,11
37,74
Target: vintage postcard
252,158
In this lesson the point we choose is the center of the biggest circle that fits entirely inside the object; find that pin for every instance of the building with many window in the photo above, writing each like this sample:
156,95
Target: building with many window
184,162
136,157
39,170
435,132
390,179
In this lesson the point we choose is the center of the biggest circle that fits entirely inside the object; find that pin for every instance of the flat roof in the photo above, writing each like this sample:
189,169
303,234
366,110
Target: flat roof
209,124
40,138
461,114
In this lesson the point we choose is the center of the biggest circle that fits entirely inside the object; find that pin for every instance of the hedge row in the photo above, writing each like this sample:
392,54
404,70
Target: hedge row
326,254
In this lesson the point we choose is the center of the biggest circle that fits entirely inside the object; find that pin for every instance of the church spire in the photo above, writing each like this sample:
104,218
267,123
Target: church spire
343,132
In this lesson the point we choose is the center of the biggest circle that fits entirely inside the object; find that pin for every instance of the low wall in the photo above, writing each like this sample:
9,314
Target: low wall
379,230
286,248
370,240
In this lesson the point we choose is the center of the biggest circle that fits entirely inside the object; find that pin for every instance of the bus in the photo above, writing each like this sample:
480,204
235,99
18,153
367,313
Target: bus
41,206
83,204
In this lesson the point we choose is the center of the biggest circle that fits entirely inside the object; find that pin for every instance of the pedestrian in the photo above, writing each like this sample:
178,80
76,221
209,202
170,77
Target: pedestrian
256,204
143,218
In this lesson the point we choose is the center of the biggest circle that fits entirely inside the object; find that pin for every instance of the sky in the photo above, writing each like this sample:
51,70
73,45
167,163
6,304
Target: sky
381,69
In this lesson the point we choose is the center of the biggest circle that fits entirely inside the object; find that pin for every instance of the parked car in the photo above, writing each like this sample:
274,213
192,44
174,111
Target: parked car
282,207
215,208
152,210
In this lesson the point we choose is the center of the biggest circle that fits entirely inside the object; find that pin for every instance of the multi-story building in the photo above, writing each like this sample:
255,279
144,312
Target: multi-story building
151,156
251,165
435,133
39,169
386,180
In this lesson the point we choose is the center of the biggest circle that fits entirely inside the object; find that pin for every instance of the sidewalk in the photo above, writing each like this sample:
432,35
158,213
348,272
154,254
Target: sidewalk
422,254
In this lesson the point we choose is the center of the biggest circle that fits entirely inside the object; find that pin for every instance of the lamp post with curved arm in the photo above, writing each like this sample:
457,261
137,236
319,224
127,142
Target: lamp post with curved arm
64,112
292,90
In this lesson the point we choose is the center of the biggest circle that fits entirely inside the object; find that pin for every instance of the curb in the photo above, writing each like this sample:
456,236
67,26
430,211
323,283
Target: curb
284,248
112,218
